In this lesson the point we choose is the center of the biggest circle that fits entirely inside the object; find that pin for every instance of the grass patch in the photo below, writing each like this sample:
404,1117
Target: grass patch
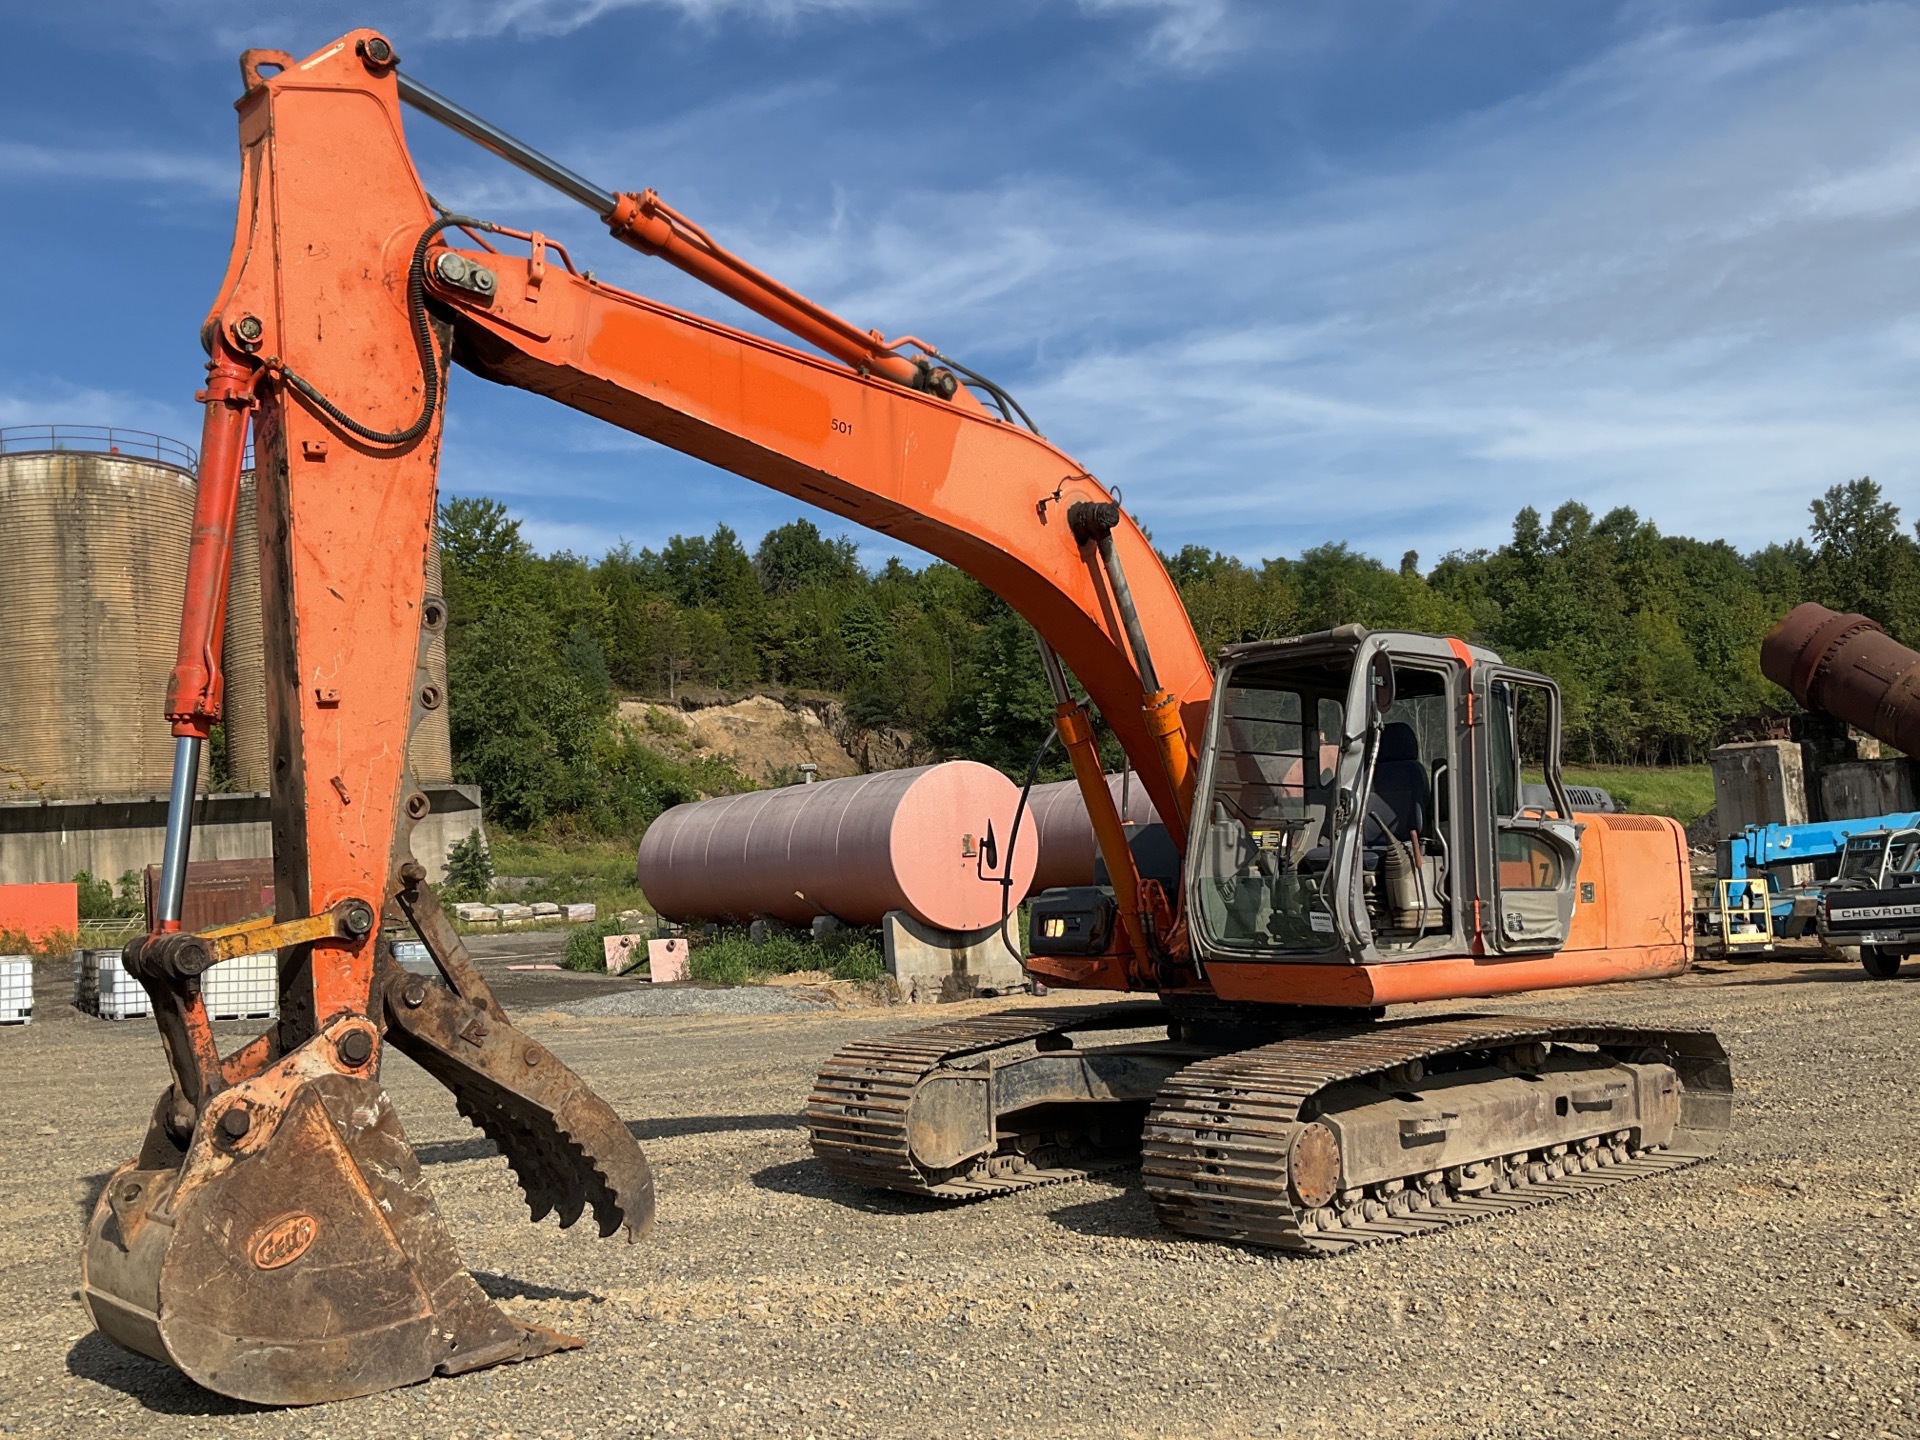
1683,791
568,872
586,946
729,957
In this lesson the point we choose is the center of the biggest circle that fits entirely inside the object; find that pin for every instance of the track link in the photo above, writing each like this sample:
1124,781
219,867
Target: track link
1218,1141
857,1116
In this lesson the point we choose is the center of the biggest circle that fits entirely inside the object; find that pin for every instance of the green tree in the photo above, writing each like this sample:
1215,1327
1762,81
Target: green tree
1863,559
469,868
796,556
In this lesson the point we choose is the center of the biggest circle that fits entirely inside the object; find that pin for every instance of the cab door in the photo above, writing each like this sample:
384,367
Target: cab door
1535,844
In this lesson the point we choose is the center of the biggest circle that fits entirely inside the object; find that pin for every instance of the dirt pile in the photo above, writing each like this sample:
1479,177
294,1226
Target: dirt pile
760,737
872,750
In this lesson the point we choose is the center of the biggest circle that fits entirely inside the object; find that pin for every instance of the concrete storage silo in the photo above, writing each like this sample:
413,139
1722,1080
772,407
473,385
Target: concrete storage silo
93,563
243,657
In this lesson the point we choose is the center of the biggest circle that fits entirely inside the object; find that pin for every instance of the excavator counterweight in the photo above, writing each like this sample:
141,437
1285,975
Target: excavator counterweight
1352,820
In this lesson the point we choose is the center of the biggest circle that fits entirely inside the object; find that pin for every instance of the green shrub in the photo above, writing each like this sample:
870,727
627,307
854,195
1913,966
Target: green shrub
53,945
725,960
729,957
102,901
860,961
469,868
586,946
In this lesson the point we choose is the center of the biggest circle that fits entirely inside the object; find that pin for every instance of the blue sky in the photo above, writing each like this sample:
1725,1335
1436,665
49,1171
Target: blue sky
1287,272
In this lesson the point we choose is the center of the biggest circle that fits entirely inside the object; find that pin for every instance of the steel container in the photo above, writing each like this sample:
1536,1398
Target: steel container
1068,849
931,841
1847,666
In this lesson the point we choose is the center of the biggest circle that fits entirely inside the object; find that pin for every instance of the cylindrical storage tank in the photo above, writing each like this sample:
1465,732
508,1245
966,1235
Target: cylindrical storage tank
1067,849
1847,666
430,751
93,564
931,841
243,657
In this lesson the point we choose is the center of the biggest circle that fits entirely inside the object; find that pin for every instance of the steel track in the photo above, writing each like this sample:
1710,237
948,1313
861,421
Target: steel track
857,1114
1215,1147
1217,1140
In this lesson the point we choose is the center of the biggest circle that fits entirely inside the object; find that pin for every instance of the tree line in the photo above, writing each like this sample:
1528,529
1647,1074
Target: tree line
1654,639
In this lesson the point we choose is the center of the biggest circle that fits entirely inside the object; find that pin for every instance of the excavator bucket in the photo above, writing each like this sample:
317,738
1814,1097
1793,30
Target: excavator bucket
288,1250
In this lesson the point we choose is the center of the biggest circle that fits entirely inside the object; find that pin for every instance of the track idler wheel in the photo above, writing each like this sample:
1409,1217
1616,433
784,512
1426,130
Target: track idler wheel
292,1253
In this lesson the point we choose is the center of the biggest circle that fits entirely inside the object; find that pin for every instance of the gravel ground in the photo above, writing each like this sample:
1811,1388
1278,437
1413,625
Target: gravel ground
1769,1293
691,1000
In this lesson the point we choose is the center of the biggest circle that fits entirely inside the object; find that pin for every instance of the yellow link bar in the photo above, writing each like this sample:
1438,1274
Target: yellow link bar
254,937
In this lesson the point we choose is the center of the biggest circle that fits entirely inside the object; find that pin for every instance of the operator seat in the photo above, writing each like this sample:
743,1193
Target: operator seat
1398,806
1402,792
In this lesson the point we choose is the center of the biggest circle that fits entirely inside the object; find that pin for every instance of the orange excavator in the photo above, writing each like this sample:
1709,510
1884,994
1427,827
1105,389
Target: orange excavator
1354,820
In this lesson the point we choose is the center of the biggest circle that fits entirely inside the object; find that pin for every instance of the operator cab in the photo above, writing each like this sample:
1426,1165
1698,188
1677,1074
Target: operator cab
1369,796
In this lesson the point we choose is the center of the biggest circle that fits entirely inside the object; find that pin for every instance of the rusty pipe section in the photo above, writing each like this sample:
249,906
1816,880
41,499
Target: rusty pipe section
1847,666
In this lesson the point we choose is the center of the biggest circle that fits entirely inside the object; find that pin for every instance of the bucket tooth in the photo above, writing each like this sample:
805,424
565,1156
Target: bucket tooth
566,1146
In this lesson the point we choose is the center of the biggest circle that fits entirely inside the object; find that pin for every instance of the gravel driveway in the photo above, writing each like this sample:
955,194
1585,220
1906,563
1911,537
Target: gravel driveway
1770,1293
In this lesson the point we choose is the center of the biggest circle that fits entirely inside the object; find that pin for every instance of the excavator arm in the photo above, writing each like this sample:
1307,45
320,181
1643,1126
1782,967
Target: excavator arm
344,300
274,1239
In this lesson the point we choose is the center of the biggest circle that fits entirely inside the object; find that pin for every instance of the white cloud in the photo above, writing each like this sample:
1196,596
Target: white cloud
1674,277
1678,279
548,536
1183,33
486,18
54,403
20,160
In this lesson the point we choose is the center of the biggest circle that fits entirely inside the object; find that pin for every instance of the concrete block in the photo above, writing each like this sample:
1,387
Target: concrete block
666,961
620,951
545,910
514,914
582,914
1865,788
930,965
1759,782
472,913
